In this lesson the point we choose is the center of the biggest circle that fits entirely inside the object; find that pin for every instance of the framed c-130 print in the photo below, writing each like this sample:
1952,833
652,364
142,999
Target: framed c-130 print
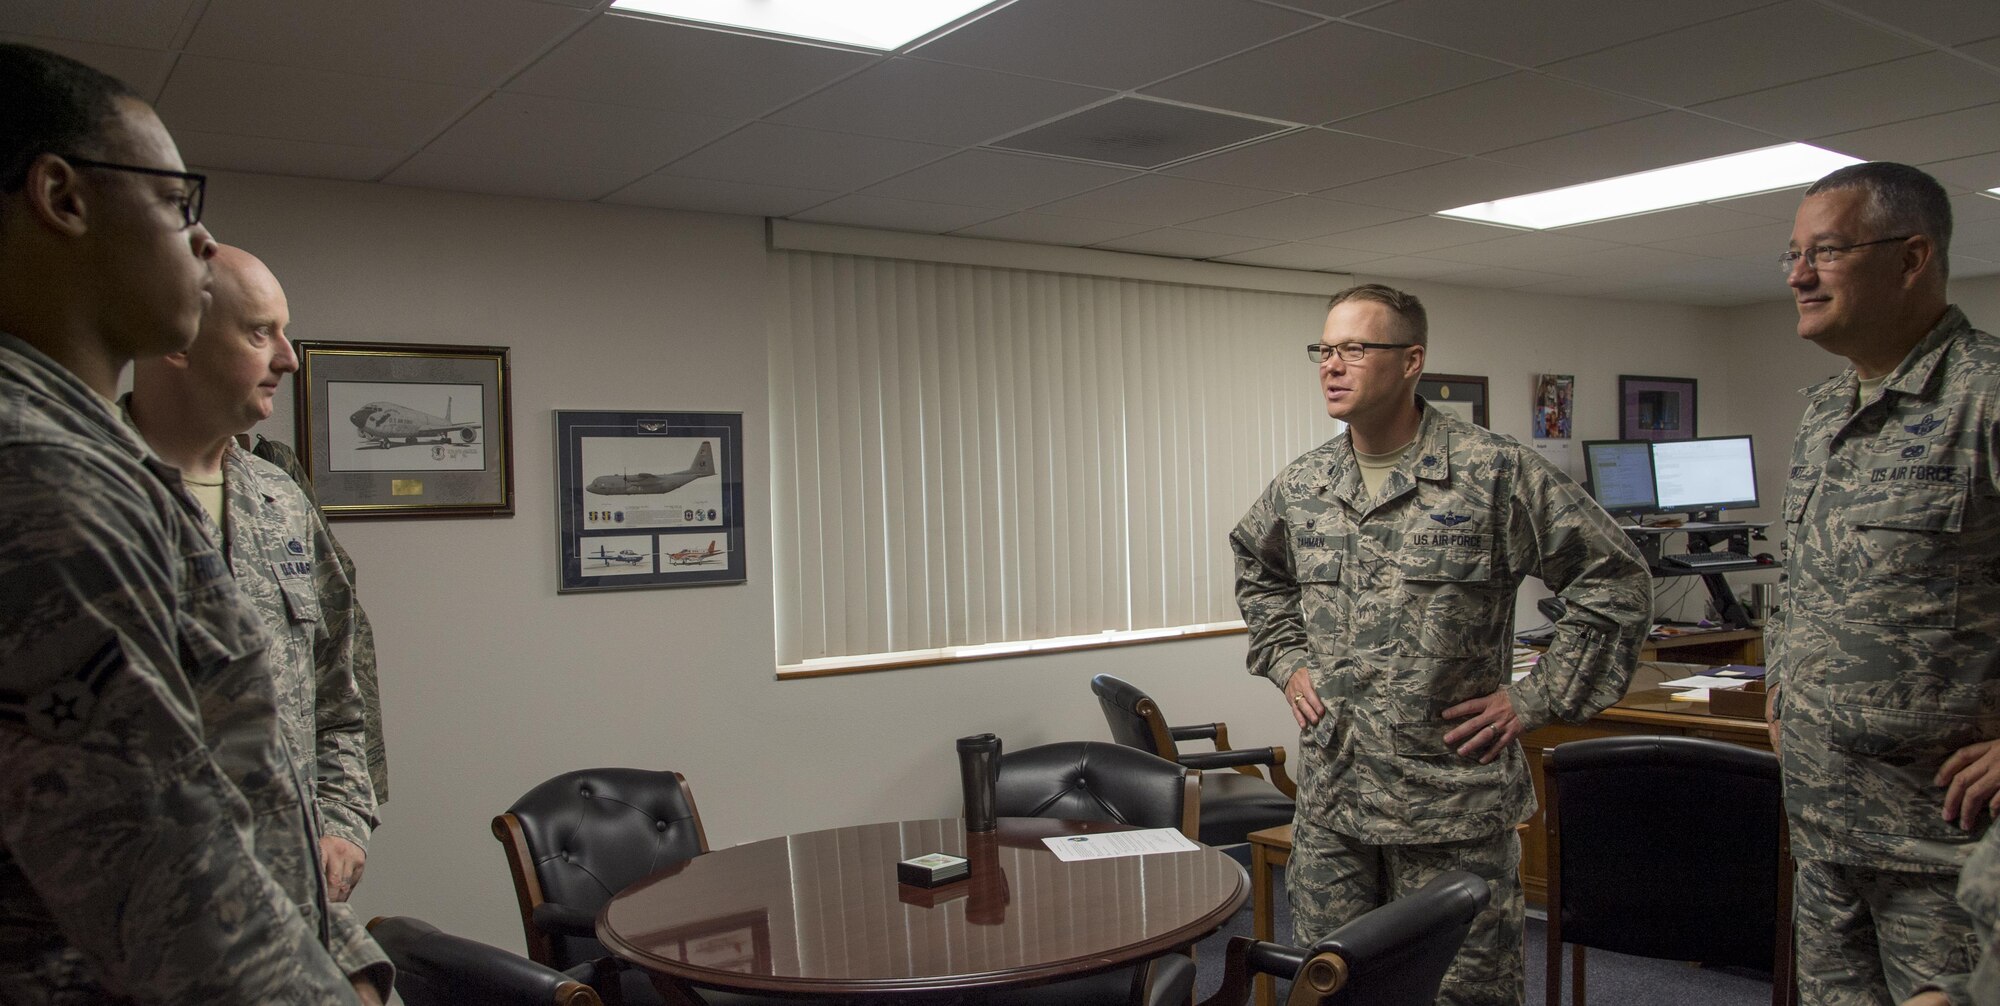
648,499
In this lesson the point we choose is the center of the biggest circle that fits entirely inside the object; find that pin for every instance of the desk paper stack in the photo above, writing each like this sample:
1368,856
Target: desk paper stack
1696,688
1113,844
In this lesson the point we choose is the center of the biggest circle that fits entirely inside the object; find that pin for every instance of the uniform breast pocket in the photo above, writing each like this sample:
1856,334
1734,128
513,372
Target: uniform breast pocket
301,602
1797,494
1906,562
1447,593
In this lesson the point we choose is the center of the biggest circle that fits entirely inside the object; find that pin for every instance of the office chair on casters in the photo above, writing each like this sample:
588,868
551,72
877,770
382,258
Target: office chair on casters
1094,781
1705,822
1395,955
1234,803
438,969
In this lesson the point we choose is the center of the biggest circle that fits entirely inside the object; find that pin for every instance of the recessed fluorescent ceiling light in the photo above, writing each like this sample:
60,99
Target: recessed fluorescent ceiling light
1725,177
873,24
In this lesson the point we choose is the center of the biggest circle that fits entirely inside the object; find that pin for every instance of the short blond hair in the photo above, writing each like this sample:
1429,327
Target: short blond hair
1405,306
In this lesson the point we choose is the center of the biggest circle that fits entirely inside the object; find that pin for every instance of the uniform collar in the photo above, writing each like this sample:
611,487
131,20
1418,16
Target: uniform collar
1916,376
35,370
1428,460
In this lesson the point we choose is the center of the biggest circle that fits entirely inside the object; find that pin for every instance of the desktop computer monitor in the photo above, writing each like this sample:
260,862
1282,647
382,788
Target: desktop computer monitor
1621,475
1707,473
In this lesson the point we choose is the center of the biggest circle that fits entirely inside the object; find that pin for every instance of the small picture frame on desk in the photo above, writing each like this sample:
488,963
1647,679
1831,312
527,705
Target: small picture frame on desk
1656,408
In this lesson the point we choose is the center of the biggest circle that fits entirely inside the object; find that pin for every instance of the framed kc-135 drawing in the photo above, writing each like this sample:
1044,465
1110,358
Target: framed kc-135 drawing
648,499
404,430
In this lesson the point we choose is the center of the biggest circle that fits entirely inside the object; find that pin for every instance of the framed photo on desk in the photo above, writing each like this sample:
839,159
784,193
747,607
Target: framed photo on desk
1655,408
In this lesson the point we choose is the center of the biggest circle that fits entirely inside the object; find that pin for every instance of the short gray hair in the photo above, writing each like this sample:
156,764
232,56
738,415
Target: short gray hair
1901,200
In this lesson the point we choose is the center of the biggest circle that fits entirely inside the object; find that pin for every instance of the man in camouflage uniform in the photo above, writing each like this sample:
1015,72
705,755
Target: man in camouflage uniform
189,406
1378,575
145,787
1885,659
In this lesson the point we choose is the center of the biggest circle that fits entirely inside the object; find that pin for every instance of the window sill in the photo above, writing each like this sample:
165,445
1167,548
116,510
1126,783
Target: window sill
866,663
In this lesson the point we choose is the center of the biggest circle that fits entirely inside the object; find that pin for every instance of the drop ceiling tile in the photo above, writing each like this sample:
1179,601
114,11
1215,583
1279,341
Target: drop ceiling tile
1295,219
1415,236
477,43
555,131
1762,243
895,214
1158,200
1495,278
206,151
1919,85
914,99
1525,251
1533,32
1622,148
764,153
1000,180
1139,133
1185,244
1587,287
1987,52
1325,74
638,61
1308,160
1118,44
317,106
1492,114
1975,232
539,180
143,70
1746,52
142,24
1665,225
1974,206
1943,137
1447,186
1782,204
1312,258
1968,266
1042,228
1980,172
707,195
1943,23
1406,267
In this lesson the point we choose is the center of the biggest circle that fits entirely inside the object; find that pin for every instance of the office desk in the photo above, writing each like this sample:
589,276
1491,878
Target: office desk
1728,646
821,914
1645,709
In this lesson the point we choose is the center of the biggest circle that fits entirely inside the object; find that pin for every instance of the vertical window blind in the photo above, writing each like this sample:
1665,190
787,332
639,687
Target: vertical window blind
966,455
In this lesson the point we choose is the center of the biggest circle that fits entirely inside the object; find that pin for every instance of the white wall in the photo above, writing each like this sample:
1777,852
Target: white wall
491,682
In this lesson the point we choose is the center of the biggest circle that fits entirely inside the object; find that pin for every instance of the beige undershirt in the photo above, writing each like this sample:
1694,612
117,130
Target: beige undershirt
1866,392
1375,468
209,495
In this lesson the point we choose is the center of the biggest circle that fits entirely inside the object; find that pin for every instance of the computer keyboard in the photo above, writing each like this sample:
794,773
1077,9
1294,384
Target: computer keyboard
1704,560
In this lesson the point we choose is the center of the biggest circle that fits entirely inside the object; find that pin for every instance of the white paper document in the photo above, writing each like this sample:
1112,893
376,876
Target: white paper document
1705,681
1113,844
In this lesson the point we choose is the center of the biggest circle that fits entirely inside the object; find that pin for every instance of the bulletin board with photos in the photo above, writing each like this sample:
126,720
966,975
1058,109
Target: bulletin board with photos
648,499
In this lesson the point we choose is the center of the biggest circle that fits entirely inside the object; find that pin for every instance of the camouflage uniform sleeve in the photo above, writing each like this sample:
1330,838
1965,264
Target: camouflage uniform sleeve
113,812
346,799
1579,551
1266,590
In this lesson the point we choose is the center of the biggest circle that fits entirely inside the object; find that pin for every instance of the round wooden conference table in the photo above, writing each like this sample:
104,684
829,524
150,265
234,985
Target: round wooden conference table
821,914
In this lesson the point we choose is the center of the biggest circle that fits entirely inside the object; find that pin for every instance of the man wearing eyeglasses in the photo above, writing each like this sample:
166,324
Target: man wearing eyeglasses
147,806
1885,657
1377,574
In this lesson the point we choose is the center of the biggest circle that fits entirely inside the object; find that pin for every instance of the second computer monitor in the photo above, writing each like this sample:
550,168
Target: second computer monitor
1707,473
1621,475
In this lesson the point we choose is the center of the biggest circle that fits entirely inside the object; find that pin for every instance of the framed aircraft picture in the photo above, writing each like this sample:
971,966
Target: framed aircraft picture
648,499
404,430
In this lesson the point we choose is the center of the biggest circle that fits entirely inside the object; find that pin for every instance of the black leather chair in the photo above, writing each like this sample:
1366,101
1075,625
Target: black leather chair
1093,781
1667,847
434,968
1395,955
1234,803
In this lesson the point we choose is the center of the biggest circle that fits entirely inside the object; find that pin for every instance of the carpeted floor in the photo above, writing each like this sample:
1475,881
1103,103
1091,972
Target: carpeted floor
1612,978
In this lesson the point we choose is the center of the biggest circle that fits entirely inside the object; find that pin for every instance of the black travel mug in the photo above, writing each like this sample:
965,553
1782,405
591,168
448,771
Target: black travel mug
978,771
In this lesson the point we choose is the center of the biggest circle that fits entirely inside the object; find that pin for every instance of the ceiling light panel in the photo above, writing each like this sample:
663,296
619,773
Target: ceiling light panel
870,24
1725,177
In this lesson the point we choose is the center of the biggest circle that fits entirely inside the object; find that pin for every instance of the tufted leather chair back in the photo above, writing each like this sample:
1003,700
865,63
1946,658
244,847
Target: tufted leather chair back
1135,719
438,969
1094,781
590,834
1616,801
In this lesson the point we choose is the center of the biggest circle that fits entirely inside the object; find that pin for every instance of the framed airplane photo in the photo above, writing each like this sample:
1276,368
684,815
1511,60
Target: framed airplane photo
648,499
403,430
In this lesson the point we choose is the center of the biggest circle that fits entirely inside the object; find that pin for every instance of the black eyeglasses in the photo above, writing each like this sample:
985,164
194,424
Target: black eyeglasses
1351,352
1817,256
190,204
